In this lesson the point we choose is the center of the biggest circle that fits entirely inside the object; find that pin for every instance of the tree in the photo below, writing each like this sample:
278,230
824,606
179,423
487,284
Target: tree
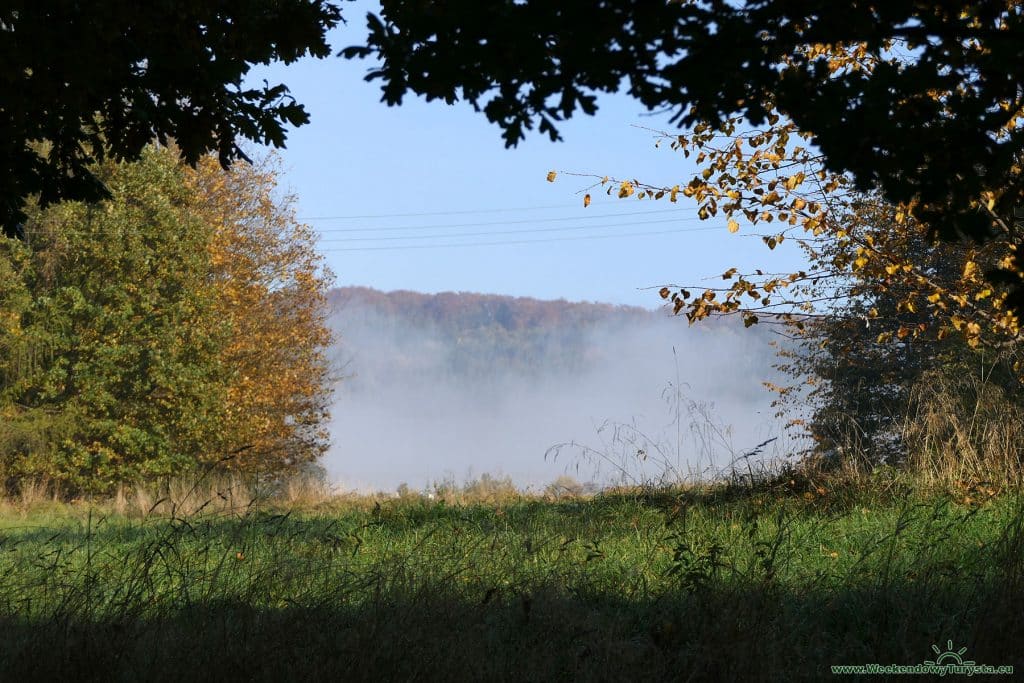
105,79
881,303
270,285
862,375
110,367
179,323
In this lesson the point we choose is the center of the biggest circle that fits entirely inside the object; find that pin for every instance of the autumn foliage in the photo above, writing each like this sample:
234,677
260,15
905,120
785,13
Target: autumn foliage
270,285
179,324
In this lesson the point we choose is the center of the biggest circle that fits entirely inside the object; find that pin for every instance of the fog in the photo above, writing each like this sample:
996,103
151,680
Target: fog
647,399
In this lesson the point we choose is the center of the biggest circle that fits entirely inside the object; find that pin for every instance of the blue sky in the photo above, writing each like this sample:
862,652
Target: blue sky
360,164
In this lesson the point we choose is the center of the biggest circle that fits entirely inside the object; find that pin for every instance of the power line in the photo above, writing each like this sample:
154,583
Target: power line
508,242
515,222
494,232
438,213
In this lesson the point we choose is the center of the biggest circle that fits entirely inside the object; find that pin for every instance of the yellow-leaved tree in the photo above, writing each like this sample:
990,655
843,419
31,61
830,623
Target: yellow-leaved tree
881,302
270,286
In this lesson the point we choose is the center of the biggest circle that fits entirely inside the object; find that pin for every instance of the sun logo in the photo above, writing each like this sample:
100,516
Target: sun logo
944,657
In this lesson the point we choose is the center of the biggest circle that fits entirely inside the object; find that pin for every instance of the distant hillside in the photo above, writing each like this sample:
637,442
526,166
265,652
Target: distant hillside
401,335
460,311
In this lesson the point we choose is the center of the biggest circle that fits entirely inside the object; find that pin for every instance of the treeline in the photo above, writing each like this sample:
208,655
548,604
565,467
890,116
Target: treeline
397,337
459,311
179,324
402,335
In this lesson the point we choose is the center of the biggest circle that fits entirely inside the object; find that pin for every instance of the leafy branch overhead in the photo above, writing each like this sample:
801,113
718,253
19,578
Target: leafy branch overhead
858,244
83,81
918,101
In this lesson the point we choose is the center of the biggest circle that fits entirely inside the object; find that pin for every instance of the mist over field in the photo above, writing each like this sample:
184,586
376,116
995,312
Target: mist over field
452,386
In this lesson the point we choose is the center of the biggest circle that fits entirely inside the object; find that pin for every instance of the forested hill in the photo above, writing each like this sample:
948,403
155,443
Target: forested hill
393,335
457,312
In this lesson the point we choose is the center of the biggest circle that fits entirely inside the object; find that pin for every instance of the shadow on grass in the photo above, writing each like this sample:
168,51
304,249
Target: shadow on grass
712,633
522,592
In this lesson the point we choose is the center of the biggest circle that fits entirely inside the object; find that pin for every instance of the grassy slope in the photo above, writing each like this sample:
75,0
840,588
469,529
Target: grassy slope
663,586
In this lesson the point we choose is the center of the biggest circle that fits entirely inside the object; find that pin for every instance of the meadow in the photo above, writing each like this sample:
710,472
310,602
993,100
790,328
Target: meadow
719,582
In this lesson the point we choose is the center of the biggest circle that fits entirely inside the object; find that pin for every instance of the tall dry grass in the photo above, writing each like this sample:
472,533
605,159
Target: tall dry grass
962,427
185,496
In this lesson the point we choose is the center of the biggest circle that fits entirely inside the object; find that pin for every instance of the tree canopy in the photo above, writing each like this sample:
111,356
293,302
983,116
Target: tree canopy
180,323
107,78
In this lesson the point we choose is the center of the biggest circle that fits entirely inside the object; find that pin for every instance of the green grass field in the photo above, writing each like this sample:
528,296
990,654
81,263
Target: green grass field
709,584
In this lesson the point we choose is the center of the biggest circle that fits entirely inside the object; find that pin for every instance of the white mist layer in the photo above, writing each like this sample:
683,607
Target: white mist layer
652,402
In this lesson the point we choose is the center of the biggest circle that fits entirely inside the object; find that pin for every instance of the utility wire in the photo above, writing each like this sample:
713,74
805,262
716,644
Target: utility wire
515,222
507,242
444,226
438,213
492,232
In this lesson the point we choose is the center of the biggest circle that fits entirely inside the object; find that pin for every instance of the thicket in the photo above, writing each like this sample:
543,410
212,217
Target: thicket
944,405
179,324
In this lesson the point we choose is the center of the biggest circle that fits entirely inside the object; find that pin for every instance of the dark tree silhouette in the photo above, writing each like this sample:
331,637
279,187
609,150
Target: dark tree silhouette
84,80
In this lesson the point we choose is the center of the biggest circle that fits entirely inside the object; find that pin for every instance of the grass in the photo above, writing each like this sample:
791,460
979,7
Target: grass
711,583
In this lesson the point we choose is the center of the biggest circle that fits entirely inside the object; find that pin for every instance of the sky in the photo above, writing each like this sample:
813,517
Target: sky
397,193
426,197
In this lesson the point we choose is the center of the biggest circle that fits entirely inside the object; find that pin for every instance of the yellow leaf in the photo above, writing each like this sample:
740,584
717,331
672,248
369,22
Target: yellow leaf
551,176
733,225
586,201
969,269
794,181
